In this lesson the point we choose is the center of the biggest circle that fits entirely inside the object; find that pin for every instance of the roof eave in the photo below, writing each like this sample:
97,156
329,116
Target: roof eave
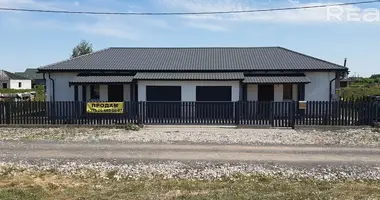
232,70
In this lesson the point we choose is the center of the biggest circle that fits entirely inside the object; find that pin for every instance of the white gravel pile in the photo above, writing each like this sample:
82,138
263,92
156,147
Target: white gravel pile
349,137
199,170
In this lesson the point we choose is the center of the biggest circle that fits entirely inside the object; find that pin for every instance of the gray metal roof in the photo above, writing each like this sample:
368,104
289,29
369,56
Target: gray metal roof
194,59
5,76
101,79
190,76
277,79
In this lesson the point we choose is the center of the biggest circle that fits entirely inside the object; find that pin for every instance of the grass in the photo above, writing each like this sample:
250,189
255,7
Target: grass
50,186
11,91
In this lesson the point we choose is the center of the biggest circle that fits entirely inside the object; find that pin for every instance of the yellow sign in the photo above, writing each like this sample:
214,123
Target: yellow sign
105,107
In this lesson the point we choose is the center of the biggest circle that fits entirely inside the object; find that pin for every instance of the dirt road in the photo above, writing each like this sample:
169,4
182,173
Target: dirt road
229,153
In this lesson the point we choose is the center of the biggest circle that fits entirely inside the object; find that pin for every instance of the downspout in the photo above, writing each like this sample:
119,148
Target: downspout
336,77
53,85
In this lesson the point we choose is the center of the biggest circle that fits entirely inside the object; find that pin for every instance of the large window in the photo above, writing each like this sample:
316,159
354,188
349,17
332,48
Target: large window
5,85
94,92
288,92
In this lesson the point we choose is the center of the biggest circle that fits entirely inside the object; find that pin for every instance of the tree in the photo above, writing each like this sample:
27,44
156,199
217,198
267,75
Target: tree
82,48
375,76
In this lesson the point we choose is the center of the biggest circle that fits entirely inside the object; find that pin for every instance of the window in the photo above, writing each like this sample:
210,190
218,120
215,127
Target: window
94,92
288,92
5,85
19,84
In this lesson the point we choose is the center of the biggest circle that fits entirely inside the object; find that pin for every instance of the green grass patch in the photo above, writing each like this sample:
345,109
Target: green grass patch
49,187
12,91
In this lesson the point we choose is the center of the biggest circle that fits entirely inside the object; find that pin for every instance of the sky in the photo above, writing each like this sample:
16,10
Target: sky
31,40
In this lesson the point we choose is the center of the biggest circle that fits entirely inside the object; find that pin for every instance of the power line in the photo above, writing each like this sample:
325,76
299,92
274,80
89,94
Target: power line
186,13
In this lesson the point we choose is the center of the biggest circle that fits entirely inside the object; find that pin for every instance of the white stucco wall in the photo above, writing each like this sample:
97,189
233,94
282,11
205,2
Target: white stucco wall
252,90
127,92
318,89
63,92
188,88
295,92
278,92
103,93
25,84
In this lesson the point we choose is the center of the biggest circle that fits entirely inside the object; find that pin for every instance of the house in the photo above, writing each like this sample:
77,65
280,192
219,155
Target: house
346,82
193,74
14,81
31,73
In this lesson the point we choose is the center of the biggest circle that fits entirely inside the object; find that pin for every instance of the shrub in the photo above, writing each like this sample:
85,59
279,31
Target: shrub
132,127
357,92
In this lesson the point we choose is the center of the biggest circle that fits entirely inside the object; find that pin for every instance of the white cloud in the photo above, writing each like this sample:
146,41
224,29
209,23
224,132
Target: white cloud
106,26
314,15
11,3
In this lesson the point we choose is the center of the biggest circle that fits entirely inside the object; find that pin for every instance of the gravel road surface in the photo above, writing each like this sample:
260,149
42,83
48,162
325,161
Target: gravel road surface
141,161
348,137
192,153
174,152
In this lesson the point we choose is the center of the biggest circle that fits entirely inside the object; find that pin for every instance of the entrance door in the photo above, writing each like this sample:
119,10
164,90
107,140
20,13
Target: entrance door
266,92
115,93
265,97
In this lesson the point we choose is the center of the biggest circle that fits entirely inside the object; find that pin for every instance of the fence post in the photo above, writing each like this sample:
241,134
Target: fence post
271,117
293,114
53,112
140,112
8,112
237,112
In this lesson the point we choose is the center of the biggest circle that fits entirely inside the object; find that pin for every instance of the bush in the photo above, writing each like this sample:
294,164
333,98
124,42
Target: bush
40,93
357,92
132,127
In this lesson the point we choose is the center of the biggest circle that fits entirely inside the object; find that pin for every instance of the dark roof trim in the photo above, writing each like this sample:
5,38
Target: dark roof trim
101,80
100,83
191,71
276,79
190,76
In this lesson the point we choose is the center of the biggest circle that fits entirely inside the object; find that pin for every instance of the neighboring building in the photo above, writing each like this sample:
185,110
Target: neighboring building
193,74
31,73
14,81
346,82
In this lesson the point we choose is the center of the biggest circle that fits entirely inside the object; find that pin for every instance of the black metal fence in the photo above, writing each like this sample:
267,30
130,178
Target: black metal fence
276,114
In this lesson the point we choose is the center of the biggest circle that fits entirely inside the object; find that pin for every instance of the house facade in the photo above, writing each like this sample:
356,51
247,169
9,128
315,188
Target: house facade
193,74
14,81
32,74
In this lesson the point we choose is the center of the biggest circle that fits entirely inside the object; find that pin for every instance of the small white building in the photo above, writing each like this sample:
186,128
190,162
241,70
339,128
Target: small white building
14,81
192,74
